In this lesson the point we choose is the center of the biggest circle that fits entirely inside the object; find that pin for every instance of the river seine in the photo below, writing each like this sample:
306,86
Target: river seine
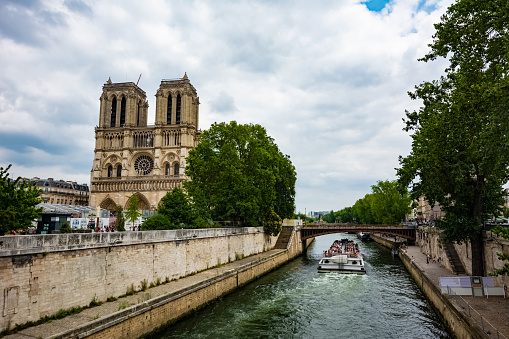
297,302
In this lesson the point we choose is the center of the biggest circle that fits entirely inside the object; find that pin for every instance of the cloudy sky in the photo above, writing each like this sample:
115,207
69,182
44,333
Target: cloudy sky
327,79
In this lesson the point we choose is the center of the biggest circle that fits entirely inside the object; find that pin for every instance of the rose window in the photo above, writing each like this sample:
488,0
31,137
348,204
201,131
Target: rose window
144,165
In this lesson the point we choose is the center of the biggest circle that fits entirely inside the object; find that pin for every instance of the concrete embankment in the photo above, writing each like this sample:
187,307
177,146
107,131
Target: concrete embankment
455,321
140,314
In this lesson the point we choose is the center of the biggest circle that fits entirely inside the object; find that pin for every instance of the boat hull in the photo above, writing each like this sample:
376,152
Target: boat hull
340,270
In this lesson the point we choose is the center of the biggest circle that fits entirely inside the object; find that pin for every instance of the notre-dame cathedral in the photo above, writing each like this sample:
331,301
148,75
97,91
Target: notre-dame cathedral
134,157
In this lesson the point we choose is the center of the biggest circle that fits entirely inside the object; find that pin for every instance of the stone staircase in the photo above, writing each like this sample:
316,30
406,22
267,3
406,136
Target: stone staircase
454,260
284,238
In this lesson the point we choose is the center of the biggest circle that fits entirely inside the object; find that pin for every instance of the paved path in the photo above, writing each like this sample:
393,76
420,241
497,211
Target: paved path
494,310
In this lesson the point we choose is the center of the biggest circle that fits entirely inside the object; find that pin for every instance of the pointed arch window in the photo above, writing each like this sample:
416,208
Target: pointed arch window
110,171
138,115
177,117
113,112
176,169
167,169
168,110
122,111
119,171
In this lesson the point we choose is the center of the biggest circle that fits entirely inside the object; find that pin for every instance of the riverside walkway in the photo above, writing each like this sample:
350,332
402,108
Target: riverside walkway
493,310
93,319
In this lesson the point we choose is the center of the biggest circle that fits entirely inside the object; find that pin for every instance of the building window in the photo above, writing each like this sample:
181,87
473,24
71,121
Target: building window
167,169
143,165
176,169
119,171
177,117
168,110
138,115
122,111
110,171
113,112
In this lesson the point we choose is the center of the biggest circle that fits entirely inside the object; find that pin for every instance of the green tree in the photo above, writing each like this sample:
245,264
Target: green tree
389,204
238,174
132,213
502,232
460,143
18,199
362,211
65,227
120,226
158,222
329,217
345,215
175,205
272,225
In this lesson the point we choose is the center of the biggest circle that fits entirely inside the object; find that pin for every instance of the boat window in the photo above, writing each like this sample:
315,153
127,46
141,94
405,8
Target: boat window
354,262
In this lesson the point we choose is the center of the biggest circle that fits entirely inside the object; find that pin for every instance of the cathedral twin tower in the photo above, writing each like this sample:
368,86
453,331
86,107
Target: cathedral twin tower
134,157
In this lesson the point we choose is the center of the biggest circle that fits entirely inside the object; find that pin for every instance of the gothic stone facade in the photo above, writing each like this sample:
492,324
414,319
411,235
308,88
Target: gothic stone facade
133,157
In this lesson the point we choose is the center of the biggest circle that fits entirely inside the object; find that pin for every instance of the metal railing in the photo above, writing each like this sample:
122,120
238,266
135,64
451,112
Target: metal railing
490,330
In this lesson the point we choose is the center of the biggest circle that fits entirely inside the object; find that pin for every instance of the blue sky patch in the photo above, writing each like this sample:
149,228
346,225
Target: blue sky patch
376,5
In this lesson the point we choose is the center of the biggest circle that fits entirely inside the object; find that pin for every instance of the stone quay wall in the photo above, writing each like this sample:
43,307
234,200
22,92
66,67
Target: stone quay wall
456,323
41,274
140,320
460,326
428,239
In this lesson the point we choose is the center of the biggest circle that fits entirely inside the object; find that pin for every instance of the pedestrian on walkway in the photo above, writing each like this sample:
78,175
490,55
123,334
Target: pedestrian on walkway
427,258
439,261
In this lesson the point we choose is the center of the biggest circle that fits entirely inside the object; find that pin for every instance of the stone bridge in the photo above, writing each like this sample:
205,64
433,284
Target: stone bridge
311,231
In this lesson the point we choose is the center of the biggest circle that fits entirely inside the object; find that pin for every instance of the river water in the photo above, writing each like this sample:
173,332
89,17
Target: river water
297,302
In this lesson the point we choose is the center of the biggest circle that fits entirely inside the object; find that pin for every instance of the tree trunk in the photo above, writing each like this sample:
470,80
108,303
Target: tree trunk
477,245
476,240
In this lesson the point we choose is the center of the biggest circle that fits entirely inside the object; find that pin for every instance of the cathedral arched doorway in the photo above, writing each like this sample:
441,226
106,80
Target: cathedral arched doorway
143,203
108,204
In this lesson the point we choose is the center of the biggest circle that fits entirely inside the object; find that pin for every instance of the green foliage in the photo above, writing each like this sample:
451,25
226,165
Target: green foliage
18,199
460,141
502,232
272,224
238,174
505,212
143,284
158,222
176,206
386,204
132,212
329,217
123,305
65,227
346,215
120,226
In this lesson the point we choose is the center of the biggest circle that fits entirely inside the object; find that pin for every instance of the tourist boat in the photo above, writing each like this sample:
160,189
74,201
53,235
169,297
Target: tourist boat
342,257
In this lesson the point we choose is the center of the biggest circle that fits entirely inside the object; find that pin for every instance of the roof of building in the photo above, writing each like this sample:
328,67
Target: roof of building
60,184
64,209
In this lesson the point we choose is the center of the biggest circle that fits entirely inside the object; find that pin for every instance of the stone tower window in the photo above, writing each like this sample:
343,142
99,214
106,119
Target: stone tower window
143,165
113,112
138,115
177,118
122,111
168,110
119,171
167,169
176,168
110,171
